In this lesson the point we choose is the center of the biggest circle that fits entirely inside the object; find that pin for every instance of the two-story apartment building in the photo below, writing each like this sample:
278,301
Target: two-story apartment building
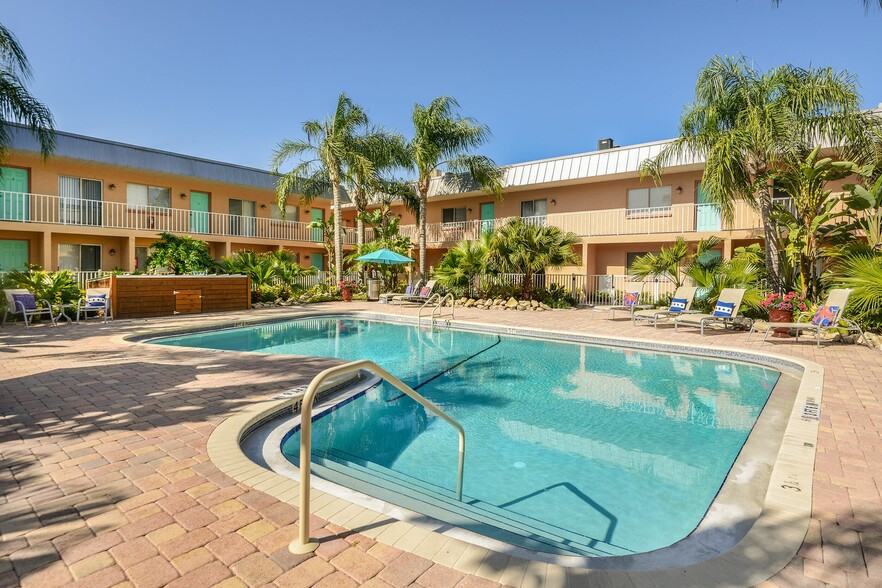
596,195
98,205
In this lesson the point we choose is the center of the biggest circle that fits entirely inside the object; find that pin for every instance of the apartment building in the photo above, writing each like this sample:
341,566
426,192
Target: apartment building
98,205
596,195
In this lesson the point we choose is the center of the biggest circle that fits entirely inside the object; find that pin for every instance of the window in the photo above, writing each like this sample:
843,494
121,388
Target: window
141,254
453,215
84,258
79,201
633,255
242,221
140,195
656,197
534,208
292,214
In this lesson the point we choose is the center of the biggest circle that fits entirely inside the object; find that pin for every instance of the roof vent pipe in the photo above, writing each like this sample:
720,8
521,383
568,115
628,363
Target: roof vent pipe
604,144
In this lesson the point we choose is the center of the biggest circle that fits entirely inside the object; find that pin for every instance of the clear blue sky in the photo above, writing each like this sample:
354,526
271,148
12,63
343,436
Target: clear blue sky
226,79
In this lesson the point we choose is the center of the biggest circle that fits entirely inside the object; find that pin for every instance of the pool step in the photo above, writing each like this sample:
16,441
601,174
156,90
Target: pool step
441,503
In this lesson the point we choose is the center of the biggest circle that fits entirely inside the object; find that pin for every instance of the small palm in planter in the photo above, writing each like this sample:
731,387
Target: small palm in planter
781,309
346,287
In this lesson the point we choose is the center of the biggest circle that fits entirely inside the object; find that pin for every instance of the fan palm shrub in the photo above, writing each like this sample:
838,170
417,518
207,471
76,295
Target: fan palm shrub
519,247
672,262
463,263
57,287
180,254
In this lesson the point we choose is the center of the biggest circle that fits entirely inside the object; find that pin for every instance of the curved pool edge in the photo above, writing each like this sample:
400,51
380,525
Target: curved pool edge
771,542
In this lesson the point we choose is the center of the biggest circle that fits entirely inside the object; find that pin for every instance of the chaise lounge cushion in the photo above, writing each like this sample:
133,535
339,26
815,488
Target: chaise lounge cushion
724,309
678,305
631,298
26,301
97,300
825,316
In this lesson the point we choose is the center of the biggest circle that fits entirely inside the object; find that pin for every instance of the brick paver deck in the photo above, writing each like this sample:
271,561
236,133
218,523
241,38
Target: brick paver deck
106,481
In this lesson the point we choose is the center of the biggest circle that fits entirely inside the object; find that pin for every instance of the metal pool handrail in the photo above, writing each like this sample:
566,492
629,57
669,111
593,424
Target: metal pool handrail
303,544
439,302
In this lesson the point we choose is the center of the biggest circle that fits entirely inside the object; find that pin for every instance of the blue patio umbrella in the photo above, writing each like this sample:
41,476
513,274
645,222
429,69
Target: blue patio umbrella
384,256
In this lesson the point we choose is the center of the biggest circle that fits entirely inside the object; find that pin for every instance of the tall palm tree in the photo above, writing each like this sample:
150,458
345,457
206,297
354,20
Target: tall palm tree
16,103
324,161
746,124
519,247
443,139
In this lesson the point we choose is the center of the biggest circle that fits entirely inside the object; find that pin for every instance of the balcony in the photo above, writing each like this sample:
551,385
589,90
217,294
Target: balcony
54,210
671,220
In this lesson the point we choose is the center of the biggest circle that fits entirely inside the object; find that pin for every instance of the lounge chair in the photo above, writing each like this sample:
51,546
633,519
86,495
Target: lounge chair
95,301
827,318
21,301
680,303
424,294
725,311
411,289
630,301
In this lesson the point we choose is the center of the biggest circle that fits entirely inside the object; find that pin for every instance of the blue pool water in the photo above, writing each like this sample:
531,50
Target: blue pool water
570,448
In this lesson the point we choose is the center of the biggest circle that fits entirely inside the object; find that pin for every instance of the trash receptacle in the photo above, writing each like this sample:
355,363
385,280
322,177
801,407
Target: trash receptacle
373,289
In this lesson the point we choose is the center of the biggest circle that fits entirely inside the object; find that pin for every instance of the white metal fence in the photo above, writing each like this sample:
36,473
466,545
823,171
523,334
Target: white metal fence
82,278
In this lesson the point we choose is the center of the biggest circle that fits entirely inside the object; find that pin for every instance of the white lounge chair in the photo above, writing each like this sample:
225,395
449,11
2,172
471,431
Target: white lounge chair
424,294
630,302
725,311
96,300
412,288
21,301
680,303
827,318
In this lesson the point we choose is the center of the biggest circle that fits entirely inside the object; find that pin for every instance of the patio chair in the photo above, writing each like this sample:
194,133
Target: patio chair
424,294
827,318
413,287
681,302
725,312
21,301
95,302
630,302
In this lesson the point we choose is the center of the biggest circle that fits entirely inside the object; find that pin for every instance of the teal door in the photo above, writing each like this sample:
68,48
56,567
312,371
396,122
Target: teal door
318,261
198,212
707,215
317,214
13,254
487,216
13,194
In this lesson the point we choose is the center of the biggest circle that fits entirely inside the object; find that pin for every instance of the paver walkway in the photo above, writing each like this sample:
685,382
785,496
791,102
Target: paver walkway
105,478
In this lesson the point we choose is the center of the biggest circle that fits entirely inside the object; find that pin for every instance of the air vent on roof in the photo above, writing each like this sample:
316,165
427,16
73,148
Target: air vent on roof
604,144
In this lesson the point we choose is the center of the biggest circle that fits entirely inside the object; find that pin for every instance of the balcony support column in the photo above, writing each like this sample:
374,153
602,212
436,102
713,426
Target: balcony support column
127,255
225,248
589,258
727,248
46,260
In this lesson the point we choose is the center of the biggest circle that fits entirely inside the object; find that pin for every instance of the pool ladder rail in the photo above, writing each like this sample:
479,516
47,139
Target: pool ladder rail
303,543
437,303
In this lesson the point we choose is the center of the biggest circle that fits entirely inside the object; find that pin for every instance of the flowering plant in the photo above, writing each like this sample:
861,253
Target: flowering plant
346,284
790,301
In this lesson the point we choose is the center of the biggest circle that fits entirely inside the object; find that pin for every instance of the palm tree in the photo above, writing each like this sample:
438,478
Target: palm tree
16,103
325,159
443,139
181,254
747,124
525,248
672,262
463,263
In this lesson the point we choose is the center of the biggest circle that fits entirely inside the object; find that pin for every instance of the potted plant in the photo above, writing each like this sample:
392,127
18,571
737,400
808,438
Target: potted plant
346,287
781,307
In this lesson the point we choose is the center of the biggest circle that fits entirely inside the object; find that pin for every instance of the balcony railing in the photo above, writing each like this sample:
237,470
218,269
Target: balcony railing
40,208
676,219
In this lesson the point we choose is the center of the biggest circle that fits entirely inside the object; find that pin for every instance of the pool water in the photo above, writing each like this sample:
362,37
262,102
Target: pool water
570,448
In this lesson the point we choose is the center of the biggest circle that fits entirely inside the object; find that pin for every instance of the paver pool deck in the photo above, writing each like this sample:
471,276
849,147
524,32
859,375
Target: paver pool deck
106,480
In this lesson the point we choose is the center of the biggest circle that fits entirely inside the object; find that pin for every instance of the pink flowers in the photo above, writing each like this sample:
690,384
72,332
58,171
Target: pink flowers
347,284
789,301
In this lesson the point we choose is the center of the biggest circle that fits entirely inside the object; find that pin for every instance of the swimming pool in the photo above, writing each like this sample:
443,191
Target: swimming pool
572,448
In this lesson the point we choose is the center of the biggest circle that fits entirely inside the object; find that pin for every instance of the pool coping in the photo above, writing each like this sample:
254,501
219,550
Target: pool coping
771,542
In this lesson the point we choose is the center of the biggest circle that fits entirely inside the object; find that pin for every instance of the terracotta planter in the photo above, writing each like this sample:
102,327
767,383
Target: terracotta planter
347,294
781,316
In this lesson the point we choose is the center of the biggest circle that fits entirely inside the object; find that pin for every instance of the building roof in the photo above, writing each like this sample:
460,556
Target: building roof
132,156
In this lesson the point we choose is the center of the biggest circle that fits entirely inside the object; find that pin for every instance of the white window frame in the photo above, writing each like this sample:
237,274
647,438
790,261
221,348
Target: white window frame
79,246
532,204
146,202
657,200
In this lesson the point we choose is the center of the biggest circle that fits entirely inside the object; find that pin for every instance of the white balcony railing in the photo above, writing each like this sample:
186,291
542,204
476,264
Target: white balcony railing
40,208
676,219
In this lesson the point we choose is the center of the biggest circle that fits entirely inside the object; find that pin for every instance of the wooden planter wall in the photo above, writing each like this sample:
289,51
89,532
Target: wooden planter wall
146,296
